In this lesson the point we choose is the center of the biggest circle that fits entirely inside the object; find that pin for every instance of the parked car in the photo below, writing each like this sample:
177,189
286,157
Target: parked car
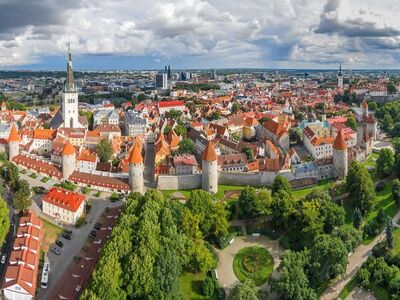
66,235
77,259
93,232
55,249
3,259
59,243
97,226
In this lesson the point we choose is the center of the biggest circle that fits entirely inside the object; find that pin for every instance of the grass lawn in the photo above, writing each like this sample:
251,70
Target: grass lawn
396,242
191,286
33,176
45,179
50,234
371,162
323,184
348,288
254,263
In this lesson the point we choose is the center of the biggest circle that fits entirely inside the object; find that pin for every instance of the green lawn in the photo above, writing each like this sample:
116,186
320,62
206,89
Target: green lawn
371,162
323,184
254,263
33,176
45,179
191,286
348,288
50,234
384,200
379,292
396,242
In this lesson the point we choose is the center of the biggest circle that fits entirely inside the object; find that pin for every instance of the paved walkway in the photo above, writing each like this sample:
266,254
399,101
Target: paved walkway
359,256
226,275
360,293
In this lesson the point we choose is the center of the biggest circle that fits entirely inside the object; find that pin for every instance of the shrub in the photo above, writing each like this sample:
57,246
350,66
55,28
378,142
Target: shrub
114,196
98,193
68,185
85,190
80,222
208,287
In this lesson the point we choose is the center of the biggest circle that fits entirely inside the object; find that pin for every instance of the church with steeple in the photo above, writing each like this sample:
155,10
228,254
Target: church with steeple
340,77
68,115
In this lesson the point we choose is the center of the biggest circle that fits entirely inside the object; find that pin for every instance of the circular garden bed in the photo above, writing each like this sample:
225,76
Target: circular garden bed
253,263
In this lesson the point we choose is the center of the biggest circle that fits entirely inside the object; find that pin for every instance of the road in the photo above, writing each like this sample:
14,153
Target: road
359,256
149,163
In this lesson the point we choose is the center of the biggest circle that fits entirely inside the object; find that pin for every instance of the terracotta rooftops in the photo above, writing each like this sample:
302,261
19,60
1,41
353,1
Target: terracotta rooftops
64,199
209,153
68,149
170,103
14,136
340,142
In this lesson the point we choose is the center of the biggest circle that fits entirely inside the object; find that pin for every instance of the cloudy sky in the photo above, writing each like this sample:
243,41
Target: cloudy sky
137,34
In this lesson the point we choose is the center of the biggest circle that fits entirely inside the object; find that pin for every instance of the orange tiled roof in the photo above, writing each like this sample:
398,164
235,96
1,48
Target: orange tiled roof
340,142
209,153
14,136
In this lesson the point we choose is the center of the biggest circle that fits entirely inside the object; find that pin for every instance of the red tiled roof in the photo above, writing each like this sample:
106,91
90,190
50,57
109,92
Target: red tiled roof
170,103
63,198
101,181
209,153
340,143
38,166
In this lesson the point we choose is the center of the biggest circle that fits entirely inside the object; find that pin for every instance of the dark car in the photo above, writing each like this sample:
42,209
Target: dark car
93,232
66,235
77,259
59,243
97,226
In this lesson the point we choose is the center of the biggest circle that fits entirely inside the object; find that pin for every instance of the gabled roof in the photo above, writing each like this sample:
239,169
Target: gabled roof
65,199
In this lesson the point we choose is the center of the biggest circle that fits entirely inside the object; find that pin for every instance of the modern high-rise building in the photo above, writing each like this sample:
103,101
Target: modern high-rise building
161,80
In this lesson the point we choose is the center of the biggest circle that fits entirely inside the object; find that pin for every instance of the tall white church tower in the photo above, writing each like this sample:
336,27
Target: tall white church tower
340,77
69,102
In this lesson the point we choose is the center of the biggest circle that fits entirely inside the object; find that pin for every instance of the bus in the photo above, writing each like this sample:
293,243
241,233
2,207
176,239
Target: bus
45,275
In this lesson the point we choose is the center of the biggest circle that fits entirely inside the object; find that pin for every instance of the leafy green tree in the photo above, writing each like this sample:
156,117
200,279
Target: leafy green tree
363,276
249,153
244,291
104,151
180,130
215,115
173,114
187,146
385,162
329,259
252,204
293,282
396,191
355,166
235,107
362,190
333,214
281,183
397,167
391,88
167,129
208,287
351,122
389,233
349,235
21,201
4,221
357,218
141,97
372,105
282,208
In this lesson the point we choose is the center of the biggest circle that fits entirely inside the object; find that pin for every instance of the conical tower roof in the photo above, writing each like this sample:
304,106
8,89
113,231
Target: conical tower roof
136,154
209,153
14,136
340,142
68,149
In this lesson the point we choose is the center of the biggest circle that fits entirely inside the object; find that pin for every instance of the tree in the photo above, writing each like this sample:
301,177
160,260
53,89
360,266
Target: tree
141,97
351,122
249,153
215,115
187,146
293,282
21,201
351,175
349,235
397,167
357,218
282,208
235,107
167,129
244,291
4,221
389,233
180,130
391,87
385,162
173,114
362,190
263,120
281,183
396,191
104,151
329,259
252,204
372,105
208,287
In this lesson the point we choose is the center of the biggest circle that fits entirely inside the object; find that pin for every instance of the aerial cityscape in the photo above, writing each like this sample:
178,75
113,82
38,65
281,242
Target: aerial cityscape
199,150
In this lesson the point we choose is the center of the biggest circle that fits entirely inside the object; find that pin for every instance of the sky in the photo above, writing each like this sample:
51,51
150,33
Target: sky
148,34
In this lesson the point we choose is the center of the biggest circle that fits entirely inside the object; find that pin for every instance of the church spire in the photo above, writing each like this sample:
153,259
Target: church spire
340,70
69,83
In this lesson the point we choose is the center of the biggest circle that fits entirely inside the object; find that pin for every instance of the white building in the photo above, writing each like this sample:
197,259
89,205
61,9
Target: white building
164,106
63,205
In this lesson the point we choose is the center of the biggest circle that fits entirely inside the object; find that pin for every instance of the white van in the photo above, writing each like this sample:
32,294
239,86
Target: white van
45,275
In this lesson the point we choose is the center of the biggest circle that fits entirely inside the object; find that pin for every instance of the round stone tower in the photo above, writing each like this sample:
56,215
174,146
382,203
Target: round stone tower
68,160
13,142
340,156
136,168
209,165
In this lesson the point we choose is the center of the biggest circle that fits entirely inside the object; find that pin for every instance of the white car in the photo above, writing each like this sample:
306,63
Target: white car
3,259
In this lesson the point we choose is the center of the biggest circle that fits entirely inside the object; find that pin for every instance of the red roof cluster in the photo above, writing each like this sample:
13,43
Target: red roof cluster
170,103
63,198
